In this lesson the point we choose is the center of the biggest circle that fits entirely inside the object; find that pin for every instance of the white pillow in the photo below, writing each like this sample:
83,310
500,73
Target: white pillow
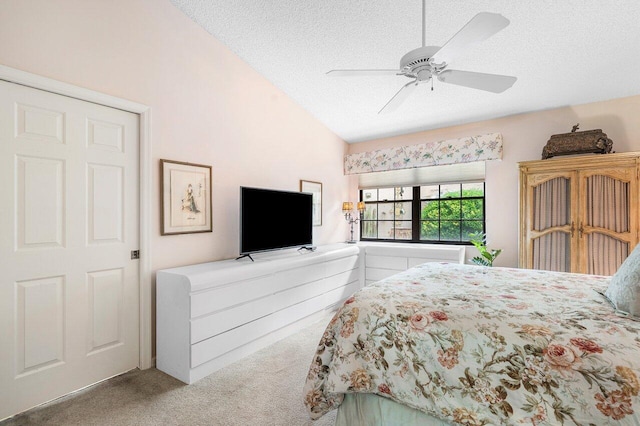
624,288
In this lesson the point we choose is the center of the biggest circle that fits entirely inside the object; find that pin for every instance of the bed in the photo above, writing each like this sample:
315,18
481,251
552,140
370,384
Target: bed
445,344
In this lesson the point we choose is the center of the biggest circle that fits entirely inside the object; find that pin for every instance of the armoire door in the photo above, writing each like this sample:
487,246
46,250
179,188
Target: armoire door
69,291
550,225
606,226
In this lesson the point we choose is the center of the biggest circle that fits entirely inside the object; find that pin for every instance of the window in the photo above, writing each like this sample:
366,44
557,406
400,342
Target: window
428,214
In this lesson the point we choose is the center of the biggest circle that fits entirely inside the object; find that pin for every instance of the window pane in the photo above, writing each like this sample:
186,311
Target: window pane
431,191
404,193
473,189
370,195
470,227
450,230
450,190
450,209
403,211
370,212
385,229
402,230
429,210
369,229
472,209
429,230
386,194
386,211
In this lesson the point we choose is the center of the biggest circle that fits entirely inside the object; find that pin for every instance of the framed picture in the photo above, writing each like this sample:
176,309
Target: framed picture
186,197
315,189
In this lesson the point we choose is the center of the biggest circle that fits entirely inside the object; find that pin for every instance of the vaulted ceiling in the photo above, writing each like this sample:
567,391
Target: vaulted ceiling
563,53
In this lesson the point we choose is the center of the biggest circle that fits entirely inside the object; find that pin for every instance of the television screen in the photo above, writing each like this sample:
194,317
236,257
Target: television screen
272,219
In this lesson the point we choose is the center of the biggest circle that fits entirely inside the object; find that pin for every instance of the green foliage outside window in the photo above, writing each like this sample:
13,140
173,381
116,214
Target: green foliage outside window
453,217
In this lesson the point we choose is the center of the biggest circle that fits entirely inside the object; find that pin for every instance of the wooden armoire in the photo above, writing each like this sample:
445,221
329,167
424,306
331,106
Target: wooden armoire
580,213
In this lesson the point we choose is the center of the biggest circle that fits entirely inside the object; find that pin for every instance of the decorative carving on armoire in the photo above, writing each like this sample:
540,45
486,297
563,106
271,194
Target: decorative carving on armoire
541,178
585,142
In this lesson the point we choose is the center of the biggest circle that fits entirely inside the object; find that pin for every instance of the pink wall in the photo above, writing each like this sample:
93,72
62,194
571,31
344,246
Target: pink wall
524,137
208,107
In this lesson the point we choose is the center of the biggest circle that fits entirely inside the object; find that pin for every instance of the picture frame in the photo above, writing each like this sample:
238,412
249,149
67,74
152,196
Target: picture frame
315,189
185,190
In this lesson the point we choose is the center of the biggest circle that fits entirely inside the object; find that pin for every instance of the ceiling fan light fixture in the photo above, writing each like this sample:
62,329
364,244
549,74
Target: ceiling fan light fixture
424,75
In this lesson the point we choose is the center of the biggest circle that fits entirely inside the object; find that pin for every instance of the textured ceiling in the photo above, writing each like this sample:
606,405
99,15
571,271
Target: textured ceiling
563,52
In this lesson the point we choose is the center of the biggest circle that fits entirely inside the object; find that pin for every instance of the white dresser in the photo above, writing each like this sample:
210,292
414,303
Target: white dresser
384,259
212,314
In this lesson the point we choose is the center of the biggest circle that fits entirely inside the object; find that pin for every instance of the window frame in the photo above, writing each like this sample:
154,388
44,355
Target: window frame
416,218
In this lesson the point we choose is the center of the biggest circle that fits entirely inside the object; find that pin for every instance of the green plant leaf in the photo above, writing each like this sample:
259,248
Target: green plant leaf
487,256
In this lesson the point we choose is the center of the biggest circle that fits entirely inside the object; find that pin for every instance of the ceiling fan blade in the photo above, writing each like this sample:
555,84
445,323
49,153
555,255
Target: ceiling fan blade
479,28
361,73
489,82
399,97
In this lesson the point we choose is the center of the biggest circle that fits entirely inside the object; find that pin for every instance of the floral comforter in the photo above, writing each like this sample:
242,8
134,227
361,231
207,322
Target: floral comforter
483,346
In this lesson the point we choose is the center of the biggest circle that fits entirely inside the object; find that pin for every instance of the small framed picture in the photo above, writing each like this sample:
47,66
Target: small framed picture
186,197
315,189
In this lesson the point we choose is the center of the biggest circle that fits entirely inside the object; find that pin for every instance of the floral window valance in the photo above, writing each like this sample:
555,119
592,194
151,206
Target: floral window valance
452,151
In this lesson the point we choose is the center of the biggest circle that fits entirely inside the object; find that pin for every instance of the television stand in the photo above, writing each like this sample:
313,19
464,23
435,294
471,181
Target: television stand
212,314
245,255
308,248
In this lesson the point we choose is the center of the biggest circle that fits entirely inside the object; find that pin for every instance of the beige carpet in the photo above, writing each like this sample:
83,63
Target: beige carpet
262,389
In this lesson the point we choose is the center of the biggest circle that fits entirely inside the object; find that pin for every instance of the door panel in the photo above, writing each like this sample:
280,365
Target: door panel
105,204
40,326
69,219
605,220
105,290
550,225
39,124
39,190
605,253
552,252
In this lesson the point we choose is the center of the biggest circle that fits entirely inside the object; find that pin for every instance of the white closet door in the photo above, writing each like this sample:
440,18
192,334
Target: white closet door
69,310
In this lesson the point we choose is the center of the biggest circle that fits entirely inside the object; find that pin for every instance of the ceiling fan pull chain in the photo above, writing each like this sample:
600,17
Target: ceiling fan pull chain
432,84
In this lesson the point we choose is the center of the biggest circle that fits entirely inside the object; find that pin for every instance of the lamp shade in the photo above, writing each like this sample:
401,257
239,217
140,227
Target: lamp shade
347,206
361,206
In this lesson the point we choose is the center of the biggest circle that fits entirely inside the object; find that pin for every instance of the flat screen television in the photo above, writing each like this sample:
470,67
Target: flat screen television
272,220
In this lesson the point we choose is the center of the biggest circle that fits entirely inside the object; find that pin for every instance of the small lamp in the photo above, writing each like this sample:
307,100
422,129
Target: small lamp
347,209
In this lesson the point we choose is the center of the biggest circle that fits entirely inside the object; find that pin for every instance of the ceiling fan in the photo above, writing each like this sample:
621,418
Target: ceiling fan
425,62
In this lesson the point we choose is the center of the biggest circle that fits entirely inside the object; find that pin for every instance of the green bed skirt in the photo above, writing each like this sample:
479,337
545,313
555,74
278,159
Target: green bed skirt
360,409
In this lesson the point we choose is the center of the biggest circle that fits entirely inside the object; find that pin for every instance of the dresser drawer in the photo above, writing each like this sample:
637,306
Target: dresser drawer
337,266
386,262
218,322
218,298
